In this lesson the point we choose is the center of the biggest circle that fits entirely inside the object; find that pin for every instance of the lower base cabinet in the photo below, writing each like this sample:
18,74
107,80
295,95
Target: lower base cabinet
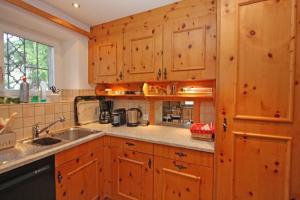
177,180
78,172
123,169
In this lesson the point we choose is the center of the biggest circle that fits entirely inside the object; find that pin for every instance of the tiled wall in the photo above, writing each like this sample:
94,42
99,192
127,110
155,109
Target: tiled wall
42,113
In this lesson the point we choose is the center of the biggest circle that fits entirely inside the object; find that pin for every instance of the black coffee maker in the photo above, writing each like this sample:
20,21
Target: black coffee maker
106,108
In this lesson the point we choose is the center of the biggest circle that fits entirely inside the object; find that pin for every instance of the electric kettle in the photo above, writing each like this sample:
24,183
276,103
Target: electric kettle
133,117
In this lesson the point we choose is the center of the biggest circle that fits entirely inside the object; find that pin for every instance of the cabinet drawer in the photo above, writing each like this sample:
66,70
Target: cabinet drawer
186,155
133,145
180,179
75,152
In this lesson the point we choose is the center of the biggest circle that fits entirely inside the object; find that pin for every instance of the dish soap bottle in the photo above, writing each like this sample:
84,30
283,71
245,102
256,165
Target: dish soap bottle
24,91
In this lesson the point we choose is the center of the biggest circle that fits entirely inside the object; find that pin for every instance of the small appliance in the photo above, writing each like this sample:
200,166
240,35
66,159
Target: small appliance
119,117
106,107
133,117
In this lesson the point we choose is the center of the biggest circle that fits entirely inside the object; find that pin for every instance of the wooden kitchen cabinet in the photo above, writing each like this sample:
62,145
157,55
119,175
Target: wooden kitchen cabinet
143,53
132,170
190,48
181,174
78,172
107,58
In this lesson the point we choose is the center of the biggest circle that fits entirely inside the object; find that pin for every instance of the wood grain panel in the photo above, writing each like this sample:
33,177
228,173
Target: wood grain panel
177,180
266,60
187,48
142,52
261,167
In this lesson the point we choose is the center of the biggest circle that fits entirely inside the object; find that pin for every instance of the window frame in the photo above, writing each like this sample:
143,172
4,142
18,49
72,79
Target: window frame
51,67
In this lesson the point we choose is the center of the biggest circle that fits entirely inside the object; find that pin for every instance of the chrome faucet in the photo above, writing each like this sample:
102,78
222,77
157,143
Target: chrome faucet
36,131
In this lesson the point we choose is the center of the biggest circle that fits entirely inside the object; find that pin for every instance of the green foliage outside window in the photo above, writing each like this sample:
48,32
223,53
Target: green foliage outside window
24,57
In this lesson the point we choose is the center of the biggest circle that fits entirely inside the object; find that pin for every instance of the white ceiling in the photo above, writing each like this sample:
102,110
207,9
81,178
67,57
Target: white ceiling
93,12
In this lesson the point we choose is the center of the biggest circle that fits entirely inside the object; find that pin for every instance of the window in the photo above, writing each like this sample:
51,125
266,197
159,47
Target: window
28,58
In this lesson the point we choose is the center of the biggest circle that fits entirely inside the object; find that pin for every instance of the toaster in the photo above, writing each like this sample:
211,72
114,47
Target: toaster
119,117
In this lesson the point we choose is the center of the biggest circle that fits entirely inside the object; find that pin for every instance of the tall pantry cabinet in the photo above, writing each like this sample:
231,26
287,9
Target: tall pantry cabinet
258,113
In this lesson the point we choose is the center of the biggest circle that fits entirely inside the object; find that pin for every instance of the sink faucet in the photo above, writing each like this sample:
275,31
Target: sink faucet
36,131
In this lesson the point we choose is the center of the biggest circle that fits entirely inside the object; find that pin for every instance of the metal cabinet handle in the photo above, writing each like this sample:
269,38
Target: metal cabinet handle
149,163
165,73
225,125
180,167
121,76
180,154
130,144
59,177
159,74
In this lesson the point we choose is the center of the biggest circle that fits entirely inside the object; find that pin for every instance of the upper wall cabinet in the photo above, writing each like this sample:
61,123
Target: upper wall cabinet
143,53
189,49
108,62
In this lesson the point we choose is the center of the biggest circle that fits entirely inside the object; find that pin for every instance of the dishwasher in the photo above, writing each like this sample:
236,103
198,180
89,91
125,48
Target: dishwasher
34,181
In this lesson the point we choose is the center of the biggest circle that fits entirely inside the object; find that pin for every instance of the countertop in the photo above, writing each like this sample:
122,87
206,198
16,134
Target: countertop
24,153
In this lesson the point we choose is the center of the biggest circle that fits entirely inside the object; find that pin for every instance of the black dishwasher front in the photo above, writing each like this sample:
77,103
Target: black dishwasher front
34,181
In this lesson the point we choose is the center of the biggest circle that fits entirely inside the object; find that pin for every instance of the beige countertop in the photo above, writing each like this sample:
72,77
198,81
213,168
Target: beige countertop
178,137
24,153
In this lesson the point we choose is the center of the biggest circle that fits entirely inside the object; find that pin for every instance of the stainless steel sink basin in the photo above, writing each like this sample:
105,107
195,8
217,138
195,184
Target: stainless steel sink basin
46,141
74,134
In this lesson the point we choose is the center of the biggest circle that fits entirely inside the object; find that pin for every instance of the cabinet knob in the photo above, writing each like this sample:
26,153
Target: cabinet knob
165,73
180,154
59,177
150,163
225,125
130,144
159,74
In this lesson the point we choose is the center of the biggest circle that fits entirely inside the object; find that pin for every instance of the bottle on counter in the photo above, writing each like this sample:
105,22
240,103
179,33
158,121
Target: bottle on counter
43,92
34,94
24,91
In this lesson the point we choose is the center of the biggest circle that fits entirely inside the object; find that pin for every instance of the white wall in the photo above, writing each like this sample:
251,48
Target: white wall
71,49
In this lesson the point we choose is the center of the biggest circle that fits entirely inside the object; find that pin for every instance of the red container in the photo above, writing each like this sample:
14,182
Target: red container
203,131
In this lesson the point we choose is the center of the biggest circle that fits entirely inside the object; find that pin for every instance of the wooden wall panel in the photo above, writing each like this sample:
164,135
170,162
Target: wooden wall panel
266,58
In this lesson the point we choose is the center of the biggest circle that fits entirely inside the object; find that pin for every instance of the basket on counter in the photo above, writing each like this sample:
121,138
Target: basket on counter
8,139
203,131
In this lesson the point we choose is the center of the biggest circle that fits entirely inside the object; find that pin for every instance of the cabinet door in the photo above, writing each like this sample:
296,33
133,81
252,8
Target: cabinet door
190,48
175,180
108,62
143,53
75,181
132,175
258,111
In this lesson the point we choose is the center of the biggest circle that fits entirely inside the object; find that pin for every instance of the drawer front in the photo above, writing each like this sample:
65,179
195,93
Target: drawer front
132,145
75,152
181,180
185,155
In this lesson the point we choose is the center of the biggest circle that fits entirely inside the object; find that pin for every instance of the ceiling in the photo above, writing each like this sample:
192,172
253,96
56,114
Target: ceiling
93,12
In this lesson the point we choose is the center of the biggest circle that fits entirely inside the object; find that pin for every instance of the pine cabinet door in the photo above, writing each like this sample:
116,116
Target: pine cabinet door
73,182
108,61
143,53
190,48
176,180
132,175
258,101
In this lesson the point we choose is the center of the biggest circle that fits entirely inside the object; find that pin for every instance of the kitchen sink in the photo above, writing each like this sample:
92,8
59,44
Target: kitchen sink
46,141
74,133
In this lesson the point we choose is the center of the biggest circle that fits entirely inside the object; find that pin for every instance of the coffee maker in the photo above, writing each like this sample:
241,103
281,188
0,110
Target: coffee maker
106,107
